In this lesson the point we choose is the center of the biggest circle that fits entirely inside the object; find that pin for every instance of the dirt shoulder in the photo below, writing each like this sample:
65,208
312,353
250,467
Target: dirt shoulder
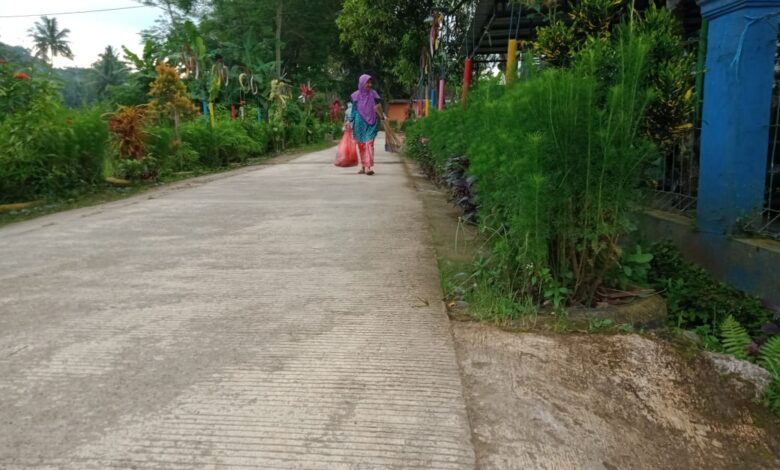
546,401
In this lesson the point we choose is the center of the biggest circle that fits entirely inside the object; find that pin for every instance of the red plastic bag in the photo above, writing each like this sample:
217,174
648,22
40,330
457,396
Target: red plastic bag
347,155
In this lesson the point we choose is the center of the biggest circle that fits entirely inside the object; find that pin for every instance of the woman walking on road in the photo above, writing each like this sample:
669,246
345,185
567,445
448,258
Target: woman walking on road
365,119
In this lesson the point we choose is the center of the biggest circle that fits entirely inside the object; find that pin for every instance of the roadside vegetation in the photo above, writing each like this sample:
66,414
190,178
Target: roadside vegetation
551,171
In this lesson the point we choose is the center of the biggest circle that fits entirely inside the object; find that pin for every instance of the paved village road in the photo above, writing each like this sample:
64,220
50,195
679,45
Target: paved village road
282,317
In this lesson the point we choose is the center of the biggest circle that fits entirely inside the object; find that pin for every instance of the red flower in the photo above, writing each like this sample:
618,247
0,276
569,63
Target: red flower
21,76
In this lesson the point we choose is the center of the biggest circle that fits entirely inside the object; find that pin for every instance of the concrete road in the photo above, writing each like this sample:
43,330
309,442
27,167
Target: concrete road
282,317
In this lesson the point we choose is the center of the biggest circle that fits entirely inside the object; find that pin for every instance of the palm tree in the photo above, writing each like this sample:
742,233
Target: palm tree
49,40
108,70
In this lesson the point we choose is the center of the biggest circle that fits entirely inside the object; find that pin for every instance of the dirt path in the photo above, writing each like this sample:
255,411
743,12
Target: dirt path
559,402
604,402
281,317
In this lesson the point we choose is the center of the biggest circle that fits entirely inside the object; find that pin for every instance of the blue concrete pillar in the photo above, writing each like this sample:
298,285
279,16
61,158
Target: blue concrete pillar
737,103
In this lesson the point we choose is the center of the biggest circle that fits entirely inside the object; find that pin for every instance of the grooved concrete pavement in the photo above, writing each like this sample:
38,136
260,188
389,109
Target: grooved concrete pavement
284,317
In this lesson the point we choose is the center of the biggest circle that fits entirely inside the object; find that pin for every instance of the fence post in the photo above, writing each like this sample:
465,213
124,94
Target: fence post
441,95
467,70
741,44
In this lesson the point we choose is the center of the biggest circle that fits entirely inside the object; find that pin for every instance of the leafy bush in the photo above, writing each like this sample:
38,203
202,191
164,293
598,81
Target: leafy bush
557,161
260,133
694,298
671,74
128,124
45,150
227,143
139,169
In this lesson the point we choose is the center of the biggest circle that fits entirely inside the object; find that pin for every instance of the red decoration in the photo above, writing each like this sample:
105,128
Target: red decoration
21,76
307,93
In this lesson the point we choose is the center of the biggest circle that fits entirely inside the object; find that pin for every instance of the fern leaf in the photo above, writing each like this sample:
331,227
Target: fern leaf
735,338
770,357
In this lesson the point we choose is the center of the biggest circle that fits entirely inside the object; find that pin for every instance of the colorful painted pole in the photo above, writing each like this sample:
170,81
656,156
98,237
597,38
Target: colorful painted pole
259,115
511,61
427,100
441,94
233,112
212,118
433,98
205,110
736,112
467,71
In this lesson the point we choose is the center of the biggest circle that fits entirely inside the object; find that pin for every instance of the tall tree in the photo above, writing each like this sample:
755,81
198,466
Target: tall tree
109,70
299,37
388,36
49,40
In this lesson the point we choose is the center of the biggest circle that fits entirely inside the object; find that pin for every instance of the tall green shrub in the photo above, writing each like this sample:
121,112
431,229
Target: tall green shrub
558,161
45,150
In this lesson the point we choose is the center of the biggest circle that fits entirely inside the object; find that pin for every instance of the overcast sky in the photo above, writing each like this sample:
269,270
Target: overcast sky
90,33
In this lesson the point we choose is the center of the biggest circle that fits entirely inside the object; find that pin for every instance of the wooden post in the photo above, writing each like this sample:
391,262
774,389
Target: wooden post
441,94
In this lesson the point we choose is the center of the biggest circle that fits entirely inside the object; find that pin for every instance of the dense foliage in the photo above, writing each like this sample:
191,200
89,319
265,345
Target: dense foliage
695,299
137,116
671,110
45,149
555,191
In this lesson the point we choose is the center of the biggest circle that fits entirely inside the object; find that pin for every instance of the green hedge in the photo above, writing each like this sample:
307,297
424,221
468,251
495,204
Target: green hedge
557,159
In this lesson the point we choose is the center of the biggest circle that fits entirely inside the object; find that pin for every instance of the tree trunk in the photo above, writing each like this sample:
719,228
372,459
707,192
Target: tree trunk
279,6
176,123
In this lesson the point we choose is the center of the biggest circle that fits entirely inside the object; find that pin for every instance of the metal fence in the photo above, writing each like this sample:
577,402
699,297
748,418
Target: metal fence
675,181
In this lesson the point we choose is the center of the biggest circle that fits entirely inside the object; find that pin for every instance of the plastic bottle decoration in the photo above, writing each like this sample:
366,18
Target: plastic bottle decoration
307,93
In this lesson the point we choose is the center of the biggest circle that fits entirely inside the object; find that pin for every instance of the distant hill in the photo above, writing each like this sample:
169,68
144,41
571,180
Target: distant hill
18,55
77,89
74,81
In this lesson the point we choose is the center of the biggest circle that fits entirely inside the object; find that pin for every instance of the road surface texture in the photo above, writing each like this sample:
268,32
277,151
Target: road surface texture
283,317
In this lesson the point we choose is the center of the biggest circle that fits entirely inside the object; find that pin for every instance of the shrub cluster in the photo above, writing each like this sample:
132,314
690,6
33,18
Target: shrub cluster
558,160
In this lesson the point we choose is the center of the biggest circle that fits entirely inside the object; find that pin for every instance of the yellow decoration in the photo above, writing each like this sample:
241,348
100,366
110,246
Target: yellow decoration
511,61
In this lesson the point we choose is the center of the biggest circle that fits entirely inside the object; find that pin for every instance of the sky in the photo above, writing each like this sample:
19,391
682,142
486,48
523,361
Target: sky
90,33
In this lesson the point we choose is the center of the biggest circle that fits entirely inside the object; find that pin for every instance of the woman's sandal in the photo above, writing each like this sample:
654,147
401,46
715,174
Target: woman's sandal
362,171
370,173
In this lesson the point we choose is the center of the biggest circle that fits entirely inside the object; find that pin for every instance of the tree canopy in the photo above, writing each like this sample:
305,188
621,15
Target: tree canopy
50,41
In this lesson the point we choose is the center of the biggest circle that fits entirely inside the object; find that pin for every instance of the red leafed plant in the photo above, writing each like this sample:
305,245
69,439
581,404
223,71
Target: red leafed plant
127,124
21,76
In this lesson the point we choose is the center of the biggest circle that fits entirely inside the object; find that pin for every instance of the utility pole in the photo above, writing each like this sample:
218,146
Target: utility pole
279,7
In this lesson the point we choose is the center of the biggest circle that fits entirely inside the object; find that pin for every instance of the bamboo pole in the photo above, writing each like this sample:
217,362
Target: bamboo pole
511,61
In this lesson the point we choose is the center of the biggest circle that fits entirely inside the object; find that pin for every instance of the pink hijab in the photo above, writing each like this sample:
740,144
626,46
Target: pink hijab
365,100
